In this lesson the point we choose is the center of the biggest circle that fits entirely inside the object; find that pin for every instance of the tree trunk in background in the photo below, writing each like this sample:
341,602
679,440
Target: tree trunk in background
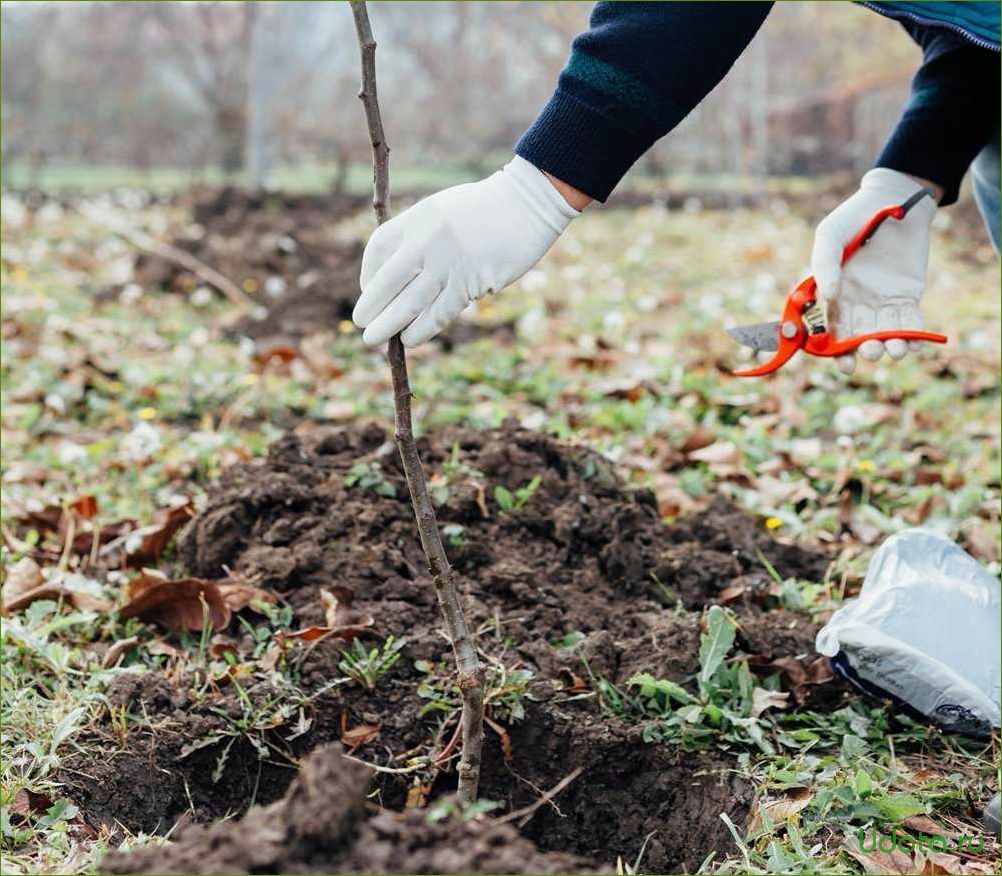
339,183
758,106
231,127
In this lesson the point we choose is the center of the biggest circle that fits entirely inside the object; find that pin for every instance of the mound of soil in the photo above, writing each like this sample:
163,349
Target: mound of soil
281,249
586,555
319,826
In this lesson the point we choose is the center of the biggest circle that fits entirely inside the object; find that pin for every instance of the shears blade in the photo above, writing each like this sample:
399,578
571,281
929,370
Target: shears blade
762,336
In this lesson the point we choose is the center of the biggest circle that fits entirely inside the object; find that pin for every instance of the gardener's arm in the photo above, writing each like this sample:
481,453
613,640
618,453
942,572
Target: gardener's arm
636,73
952,114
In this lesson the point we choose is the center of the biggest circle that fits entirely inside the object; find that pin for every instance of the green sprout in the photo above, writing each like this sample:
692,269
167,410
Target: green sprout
510,503
368,668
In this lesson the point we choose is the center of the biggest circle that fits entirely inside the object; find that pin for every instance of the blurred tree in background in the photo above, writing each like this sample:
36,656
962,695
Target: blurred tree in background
246,88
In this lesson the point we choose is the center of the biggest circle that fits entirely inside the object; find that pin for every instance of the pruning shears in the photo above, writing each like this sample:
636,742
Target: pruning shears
804,325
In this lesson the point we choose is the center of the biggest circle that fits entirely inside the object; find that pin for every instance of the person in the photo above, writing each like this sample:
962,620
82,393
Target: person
631,78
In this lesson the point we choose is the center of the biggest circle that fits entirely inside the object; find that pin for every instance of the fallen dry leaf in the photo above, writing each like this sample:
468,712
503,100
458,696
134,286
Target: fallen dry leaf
982,543
25,584
894,862
269,660
118,650
342,622
800,675
166,523
313,349
85,506
27,804
220,646
63,524
763,699
700,437
718,453
269,351
858,418
417,796
239,595
941,862
778,810
23,577
575,683
160,648
361,735
184,604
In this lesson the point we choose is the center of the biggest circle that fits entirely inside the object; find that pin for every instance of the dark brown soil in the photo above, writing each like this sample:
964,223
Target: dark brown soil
284,250
587,554
319,826
281,249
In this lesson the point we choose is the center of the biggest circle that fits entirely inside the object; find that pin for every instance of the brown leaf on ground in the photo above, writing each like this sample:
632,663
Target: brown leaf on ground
700,437
719,453
48,519
221,645
361,735
184,604
269,660
777,810
895,862
575,683
268,352
160,648
982,543
238,594
24,576
72,522
417,796
314,350
25,584
763,699
920,513
342,622
27,804
941,862
924,824
85,506
166,523
729,594
800,675
118,650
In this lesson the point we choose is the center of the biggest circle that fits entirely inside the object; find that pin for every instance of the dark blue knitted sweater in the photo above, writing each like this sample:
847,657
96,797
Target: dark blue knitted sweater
642,67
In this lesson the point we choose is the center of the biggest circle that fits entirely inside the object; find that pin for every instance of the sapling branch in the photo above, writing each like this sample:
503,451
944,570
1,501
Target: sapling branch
443,576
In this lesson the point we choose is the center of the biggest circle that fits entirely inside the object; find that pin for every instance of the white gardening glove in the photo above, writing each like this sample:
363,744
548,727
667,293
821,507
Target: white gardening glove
881,286
422,268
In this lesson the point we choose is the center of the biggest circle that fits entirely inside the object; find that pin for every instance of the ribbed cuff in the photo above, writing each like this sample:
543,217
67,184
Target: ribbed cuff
582,147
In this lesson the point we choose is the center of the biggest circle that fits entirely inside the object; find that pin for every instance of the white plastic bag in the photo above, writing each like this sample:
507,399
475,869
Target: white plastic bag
925,629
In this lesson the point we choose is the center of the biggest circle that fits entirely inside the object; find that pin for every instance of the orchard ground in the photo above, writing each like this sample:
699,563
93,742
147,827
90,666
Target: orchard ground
670,507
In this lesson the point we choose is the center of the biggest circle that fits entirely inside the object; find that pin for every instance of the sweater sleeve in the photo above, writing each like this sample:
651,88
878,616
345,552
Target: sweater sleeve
633,76
952,113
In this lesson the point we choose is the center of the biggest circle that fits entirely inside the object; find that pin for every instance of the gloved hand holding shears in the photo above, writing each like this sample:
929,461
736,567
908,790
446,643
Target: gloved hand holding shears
869,263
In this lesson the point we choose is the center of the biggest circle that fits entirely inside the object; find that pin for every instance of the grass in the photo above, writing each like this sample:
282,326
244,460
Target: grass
309,177
302,178
619,345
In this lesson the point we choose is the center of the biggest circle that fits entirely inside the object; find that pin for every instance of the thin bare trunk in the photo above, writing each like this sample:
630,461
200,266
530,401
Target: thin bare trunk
463,644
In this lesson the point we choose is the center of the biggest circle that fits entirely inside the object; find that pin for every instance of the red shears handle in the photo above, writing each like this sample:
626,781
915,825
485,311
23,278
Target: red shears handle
794,334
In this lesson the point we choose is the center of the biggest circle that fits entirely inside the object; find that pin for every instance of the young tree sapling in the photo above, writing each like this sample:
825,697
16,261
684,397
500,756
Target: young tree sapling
463,644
